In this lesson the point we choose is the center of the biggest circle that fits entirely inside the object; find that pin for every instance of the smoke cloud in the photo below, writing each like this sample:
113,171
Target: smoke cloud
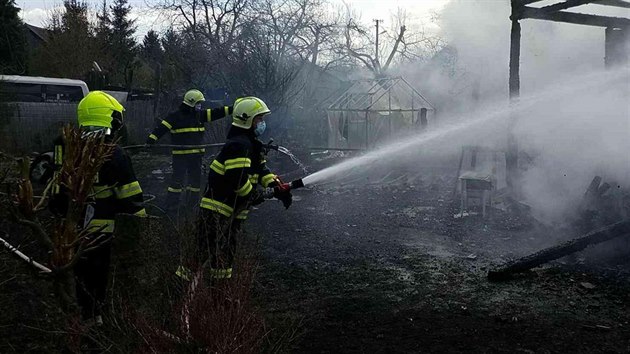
572,137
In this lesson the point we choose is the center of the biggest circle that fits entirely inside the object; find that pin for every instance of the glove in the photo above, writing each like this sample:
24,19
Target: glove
282,192
257,198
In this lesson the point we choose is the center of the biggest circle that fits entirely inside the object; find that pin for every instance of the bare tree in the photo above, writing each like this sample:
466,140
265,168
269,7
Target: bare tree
399,43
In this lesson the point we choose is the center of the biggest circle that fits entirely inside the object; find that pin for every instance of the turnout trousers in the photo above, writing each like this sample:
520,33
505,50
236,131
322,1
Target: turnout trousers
217,239
186,180
91,274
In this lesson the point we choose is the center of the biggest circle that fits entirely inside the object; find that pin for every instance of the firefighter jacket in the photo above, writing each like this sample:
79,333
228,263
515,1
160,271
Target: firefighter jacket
115,190
234,174
187,127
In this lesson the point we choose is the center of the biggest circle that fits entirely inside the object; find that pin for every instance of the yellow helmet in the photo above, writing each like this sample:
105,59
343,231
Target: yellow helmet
192,97
96,109
245,109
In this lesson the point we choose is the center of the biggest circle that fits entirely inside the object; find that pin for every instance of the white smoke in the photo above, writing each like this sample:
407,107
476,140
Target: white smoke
573,137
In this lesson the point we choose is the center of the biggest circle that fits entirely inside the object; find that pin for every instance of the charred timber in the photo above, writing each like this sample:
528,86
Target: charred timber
505,272
572,17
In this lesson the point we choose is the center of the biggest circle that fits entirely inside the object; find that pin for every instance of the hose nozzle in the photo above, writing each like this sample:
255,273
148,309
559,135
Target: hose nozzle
298,183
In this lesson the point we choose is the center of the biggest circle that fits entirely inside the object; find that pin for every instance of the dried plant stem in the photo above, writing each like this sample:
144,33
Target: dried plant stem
24,257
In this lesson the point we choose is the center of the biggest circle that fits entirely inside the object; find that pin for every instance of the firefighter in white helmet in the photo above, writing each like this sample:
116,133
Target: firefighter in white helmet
232,188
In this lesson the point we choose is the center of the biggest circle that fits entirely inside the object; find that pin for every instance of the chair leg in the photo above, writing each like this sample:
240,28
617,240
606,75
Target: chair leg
484,198
464,197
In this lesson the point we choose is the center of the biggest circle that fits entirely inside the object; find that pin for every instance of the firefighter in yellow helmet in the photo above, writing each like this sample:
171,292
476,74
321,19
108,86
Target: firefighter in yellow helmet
186,126
116,190
232,189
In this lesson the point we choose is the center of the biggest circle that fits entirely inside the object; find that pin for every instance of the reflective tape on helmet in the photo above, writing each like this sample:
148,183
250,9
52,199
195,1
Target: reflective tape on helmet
245,189
128,190
240,162
216,206
188,151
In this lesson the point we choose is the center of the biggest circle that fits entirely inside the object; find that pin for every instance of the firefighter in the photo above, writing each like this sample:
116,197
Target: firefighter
232,187
115,190
186,126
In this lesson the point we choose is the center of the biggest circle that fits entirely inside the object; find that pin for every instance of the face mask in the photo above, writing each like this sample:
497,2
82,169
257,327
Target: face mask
260,128
198,107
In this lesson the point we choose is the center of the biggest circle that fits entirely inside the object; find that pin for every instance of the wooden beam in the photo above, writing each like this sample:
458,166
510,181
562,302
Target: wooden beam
616,3
525,2
575,18
565,5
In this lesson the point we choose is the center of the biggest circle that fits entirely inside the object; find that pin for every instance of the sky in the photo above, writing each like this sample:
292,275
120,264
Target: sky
36,12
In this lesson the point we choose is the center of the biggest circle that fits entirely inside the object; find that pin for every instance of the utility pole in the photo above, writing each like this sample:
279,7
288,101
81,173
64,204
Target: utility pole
376,55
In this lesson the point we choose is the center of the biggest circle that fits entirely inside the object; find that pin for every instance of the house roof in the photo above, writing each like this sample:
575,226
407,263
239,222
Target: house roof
39,32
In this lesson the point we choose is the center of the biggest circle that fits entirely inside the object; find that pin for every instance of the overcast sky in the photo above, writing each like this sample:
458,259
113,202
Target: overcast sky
36,12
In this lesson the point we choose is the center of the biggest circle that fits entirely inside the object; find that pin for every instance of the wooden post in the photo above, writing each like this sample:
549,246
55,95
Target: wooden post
423,118
616,47
511,158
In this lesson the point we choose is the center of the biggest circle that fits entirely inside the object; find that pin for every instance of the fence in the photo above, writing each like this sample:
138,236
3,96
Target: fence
29,127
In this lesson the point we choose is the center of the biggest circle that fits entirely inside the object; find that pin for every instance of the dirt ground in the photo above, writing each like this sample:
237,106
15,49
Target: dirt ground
376,263
380,265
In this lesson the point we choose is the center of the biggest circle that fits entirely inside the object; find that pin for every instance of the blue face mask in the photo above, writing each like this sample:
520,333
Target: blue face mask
198,107
260,128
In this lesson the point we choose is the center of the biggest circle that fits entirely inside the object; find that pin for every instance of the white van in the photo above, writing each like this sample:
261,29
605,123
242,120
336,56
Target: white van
14,88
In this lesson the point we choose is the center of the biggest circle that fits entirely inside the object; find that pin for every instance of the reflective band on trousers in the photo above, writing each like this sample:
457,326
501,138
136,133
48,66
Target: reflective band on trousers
174,190
193,189
218,273
268,179
183,272
217,206
188,130
189,151
167,124
128,190
240,162
243,214
101,225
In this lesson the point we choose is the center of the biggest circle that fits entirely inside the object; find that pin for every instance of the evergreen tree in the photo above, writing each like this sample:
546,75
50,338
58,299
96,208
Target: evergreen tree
123,45
13,50
70,49
151,49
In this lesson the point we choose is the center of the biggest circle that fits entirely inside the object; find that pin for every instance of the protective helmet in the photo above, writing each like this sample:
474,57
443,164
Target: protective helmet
245,109
192,97
99,109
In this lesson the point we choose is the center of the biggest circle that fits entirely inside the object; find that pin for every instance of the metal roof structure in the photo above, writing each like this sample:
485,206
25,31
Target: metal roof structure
379,95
